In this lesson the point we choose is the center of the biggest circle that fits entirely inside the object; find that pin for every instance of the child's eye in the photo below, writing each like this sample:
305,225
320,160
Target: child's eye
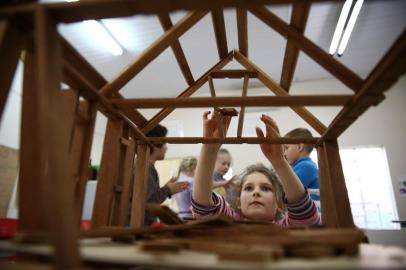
266,188
247,188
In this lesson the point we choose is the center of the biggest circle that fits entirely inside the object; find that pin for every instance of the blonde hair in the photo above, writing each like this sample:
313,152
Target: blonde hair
188,165
273,179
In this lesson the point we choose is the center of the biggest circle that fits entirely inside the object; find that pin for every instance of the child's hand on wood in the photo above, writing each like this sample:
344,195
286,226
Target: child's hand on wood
273,152
216,126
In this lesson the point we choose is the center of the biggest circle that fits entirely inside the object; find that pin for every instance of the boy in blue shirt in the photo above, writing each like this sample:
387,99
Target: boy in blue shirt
298,157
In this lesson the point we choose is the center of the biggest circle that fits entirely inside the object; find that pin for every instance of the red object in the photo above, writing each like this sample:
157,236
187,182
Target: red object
8,227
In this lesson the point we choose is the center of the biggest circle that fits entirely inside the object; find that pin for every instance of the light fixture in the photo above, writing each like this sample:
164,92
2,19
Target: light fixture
340,39
340,26
102,35
350,27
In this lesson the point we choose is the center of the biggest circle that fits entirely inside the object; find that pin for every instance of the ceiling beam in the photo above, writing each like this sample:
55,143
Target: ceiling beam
152,52
213,101
187,93
166,24
219,26
340,71
385,74
242,29
275,88
233,74
300,13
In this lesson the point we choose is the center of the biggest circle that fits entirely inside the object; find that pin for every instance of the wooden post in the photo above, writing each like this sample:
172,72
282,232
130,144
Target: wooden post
335,205
53,137
109,170
140,186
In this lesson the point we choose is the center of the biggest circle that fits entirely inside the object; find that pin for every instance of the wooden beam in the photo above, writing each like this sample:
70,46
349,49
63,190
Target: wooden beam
188,92
242,31
233,74
340,71
54,145
152,52
385,74
335,205
229,140
11,44
166,24
300,13
242,111
274,87
217,16
140,186
212,91
254,101
83,67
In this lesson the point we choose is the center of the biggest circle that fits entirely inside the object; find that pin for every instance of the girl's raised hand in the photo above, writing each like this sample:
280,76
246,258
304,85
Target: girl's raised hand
273,152
216,126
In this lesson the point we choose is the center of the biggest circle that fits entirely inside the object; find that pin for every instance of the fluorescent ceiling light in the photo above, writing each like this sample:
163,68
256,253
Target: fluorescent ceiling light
350,27
102,36
340,26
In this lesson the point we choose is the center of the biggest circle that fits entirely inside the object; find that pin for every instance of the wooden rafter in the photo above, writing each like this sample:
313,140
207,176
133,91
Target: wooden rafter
187,93
255,101
152,52
242,31
300,13
233,74
217,16
166,24
274,87
231,140
242,111
340,71
382,77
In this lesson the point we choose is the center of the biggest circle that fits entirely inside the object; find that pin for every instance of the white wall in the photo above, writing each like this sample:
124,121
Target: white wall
383,125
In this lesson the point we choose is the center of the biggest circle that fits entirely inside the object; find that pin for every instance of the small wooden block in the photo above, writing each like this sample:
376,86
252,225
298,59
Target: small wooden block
228,111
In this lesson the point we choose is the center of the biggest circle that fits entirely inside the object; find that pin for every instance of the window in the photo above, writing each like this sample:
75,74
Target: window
369,187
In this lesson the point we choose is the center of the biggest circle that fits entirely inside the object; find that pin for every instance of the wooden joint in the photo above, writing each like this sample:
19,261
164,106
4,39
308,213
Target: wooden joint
126,142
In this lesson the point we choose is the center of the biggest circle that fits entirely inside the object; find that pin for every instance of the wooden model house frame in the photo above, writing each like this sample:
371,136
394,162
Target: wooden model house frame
57,126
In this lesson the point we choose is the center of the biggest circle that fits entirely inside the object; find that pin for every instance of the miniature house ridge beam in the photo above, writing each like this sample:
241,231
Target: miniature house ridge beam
233,74
219,26
274,87
187,93
242,30
11,44
166,24
300,13
105,102
54,145
242,111
152,52
232,140
391,66
340,71
254,101
83,67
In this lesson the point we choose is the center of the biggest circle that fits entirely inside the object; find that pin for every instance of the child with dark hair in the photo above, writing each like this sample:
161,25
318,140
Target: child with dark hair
298,156
264,194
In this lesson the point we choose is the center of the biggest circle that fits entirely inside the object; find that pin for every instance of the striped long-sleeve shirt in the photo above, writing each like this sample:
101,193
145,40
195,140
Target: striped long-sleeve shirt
303,212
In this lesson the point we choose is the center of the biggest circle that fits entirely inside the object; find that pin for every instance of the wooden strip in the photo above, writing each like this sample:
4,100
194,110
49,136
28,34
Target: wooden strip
274,87
166,24
248,140
11,44
242,111
341,72
54,145
91,75
212,91
152,52
140,187
109,171
217,16
186,93
300,13
254,101
242,29
391,66
336,212
233,73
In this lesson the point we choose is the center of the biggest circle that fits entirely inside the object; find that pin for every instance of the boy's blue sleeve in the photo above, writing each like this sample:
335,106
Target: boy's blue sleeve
308,175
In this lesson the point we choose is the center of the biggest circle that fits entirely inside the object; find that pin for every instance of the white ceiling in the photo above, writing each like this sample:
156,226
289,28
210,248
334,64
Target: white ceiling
378,25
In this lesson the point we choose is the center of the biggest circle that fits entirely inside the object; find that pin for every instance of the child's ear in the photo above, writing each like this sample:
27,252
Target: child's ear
300,147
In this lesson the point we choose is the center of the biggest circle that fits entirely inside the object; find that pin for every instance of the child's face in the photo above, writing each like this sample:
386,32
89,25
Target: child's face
160,152
223,163
258,201
291,152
